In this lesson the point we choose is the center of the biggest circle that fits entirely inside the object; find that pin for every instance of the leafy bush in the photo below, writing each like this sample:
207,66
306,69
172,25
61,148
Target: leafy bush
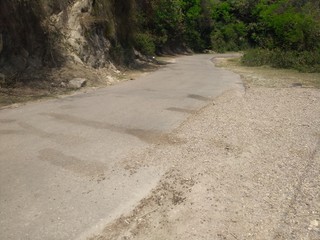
144,43
292,28
195,41
256,57
218,42
304,61
168,21
231,37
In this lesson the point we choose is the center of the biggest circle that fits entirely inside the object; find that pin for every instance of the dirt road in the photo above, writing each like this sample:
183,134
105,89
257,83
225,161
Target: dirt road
247,167
167,158
67,165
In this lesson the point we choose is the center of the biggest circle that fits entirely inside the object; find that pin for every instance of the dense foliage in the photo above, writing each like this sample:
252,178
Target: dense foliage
278,29
281,33
231,25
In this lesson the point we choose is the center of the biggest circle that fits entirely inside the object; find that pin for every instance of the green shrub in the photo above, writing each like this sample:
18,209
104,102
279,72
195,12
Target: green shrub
144,43
256,57
194,40
305,61
231,37
217,41
291,28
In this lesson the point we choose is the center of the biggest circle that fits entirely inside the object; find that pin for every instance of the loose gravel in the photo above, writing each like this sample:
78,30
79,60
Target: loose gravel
247,166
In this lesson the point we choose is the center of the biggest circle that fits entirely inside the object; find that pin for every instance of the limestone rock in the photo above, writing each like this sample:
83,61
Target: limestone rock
77,83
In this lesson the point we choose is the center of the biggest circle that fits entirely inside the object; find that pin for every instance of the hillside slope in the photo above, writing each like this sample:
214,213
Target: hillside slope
39,34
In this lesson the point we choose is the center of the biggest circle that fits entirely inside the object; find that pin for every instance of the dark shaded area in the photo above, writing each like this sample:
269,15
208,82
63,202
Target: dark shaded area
25,41
122,51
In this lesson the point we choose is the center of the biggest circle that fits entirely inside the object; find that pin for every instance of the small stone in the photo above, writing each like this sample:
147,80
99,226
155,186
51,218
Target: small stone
77,83
314,223
110,79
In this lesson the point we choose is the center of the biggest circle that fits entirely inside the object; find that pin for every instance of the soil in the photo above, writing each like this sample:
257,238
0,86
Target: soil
35,85
247,166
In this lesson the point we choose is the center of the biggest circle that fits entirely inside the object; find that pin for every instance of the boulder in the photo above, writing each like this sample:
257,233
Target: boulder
77,83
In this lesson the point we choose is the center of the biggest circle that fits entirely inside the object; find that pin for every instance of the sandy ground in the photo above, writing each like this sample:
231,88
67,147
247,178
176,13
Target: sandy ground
247,166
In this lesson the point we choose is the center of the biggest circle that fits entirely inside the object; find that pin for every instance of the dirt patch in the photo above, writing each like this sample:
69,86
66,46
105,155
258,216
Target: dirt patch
53,82
269,77
49,83
247,168
170,192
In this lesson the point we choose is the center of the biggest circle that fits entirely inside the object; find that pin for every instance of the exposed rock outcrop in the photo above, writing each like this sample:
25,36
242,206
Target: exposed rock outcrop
37,33
80,36
77,83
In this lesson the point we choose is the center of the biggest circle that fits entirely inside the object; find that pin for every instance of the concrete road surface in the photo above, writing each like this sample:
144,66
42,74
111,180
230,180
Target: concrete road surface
59,160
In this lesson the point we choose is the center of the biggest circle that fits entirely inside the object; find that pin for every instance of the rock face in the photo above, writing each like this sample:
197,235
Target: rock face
77,24
77,83
21,34
54,33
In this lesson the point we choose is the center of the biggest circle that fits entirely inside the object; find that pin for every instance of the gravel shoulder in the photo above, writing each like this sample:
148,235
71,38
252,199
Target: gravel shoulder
246,166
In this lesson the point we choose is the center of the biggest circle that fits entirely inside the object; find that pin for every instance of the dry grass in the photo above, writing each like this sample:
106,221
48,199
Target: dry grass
269,77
